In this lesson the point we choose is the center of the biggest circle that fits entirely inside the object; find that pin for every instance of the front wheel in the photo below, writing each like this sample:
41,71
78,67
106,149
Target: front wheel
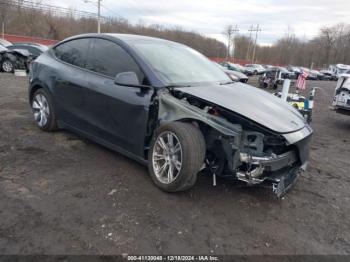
176,155
7,66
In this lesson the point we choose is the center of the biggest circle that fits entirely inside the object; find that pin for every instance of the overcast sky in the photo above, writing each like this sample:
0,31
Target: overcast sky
209,17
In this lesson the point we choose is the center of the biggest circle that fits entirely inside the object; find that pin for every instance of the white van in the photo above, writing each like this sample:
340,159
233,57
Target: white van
339,69
341,100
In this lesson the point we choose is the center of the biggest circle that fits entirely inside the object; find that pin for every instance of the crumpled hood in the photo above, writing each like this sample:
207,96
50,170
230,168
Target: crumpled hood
253,103
22,52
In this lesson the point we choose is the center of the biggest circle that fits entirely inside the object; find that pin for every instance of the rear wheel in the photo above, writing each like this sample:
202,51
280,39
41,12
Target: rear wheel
176,155
43,110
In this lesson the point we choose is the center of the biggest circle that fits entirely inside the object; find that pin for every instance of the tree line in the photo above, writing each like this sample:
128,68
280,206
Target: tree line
330,46
36,22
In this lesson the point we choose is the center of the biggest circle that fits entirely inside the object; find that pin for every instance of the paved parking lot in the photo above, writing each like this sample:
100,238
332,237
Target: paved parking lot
61,194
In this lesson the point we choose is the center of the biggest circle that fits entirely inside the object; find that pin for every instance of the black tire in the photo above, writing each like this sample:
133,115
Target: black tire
193,152
7,66
51,123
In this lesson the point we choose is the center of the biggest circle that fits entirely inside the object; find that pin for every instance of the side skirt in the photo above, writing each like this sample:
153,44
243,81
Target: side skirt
103,142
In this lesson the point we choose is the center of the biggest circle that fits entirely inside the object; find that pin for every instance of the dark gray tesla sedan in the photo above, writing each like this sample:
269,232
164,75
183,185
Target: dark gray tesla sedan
169,107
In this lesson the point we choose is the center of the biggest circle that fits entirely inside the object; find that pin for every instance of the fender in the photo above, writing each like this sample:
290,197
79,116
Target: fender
172,109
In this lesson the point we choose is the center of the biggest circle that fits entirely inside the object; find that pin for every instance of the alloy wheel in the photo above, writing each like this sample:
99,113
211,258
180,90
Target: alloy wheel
167,157
7,66
41,110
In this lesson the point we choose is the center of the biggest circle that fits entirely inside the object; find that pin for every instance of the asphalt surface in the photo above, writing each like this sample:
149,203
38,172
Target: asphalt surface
61,194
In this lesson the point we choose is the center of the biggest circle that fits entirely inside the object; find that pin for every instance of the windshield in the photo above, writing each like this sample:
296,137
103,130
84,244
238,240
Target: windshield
177,64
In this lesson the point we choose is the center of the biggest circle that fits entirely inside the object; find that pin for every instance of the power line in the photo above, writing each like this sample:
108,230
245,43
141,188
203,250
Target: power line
51,9
48,8
112,11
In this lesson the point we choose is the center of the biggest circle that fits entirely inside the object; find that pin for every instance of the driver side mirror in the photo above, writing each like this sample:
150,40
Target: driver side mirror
127,79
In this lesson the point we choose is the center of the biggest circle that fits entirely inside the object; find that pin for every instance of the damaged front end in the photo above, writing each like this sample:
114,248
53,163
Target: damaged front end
238,147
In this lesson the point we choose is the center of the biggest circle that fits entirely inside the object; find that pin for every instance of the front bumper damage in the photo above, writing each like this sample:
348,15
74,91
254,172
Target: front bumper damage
278,171
280,182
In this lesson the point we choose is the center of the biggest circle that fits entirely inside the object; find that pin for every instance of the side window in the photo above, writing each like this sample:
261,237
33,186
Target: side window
74,52
110,59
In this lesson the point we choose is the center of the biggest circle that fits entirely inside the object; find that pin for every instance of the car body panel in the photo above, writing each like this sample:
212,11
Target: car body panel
253,103
108,108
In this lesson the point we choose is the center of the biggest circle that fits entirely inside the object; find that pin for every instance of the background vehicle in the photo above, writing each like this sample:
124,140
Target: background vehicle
312,75
318,75
238,68
338,69
13,59
257,69
234,75
240,76
273,77
328,75
296,71
34,49
167,106
287,73
341,100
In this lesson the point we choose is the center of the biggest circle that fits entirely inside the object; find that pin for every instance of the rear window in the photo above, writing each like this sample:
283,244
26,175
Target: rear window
73,52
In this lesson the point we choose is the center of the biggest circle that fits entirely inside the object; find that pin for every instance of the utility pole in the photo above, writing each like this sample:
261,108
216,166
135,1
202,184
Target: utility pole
234,31
249,43
3,29
257,30
99,16
228,44
230,31
98,13
312,65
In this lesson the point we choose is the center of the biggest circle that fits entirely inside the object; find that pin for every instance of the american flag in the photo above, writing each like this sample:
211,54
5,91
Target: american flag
301,83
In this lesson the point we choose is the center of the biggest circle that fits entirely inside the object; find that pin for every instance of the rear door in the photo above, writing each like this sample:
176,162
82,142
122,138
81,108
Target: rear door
117,114
70,80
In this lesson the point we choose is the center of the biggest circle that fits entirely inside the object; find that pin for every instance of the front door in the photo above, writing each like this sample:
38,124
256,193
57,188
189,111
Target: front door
116,114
